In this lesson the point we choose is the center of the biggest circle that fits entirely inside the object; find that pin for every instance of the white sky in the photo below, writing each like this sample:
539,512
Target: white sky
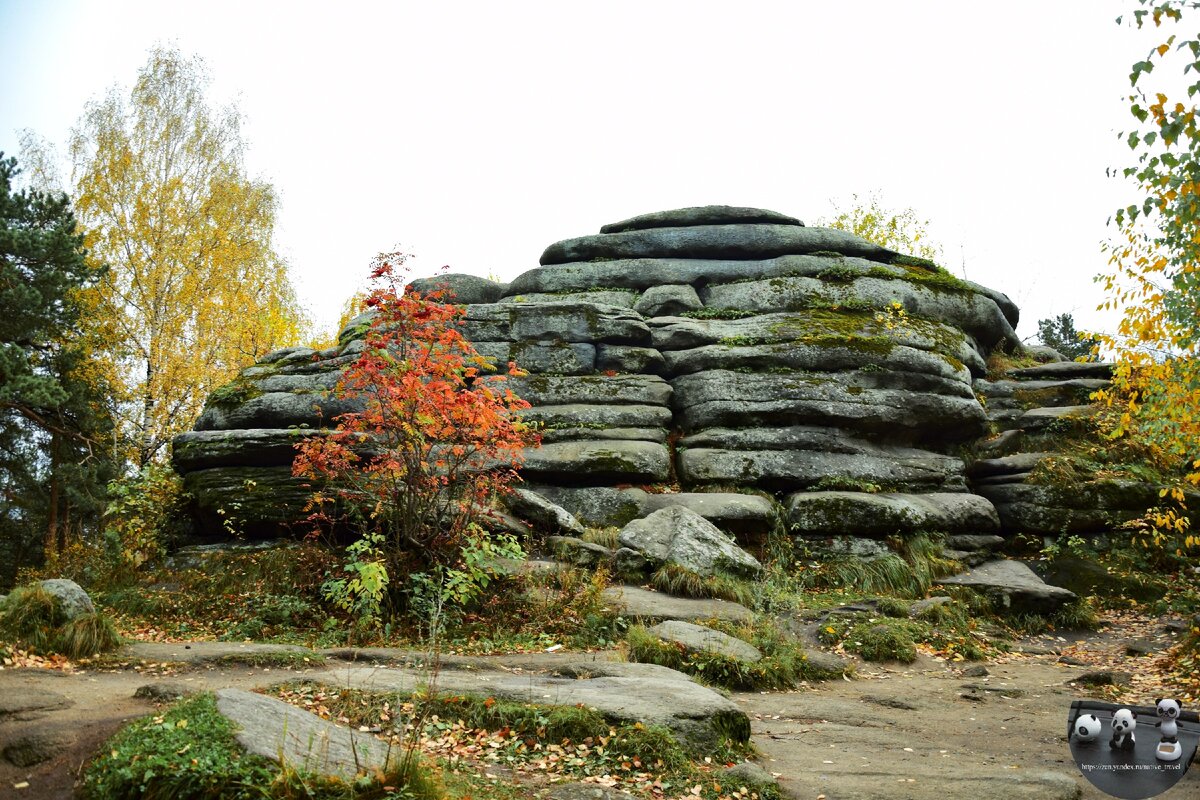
475,134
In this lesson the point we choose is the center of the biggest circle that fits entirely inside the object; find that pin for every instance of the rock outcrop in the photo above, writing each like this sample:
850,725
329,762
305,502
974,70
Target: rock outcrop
733,363
717,349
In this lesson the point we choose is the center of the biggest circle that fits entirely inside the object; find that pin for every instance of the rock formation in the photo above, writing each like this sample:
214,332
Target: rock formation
751,367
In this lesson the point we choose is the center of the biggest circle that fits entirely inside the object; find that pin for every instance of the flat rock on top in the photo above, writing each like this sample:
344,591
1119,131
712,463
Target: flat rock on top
755,241
700,215
1065,370
285,734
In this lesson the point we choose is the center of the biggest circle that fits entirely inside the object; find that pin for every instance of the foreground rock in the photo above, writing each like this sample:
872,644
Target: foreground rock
648,606
74,601
677,535
1012,584
697,638
298,739
698,716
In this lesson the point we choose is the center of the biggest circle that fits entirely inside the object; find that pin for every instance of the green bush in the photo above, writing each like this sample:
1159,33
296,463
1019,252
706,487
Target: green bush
33,616
682,582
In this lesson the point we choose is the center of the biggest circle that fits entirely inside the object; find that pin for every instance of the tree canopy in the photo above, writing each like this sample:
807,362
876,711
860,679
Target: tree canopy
195,288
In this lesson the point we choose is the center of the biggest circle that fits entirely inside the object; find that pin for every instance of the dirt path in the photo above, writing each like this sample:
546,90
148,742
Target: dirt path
922,731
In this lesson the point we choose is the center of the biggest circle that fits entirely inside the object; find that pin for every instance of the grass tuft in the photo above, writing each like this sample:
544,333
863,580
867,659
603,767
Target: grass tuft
33,616
87,635
682,582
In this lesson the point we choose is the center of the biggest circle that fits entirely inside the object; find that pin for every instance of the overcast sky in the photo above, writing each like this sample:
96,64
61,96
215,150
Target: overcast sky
475,134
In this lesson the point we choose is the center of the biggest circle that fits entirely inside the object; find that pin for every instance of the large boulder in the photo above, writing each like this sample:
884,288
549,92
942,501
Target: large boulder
699,639
71,597
300,740
1012,585
679,536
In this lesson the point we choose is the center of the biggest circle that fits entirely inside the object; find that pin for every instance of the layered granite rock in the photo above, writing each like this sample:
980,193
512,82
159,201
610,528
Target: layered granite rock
681,358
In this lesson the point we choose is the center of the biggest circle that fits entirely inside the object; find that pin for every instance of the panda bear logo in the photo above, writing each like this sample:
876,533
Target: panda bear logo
1168,713
1087,728
1123,723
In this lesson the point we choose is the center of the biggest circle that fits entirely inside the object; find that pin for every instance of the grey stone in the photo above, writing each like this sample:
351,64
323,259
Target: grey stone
825,666
599,461
816,328
290,736
626,359
622,298
1065,370
821,548
552,435
577,552
747,774
977,671
750,241
733,513
631,563
74,601
921,606
697,638
645,390
639,274
1016,464
668,301
459,287
165,692
587,791
578,415
696,715
887,514
1045,354
279,410
1038,419
260,501
552,358
1002,444
597,506
904,468
643,604
972,312
584,322
541,513
700,215
968,541
1075,391
901,367
1013,585
250,447
1103,677
287,354
722,398
30,703
35,747
1141,647
677,535
1087,507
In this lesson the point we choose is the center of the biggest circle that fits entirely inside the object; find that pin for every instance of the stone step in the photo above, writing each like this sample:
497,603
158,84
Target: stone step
1065,370
1012,585
885,514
